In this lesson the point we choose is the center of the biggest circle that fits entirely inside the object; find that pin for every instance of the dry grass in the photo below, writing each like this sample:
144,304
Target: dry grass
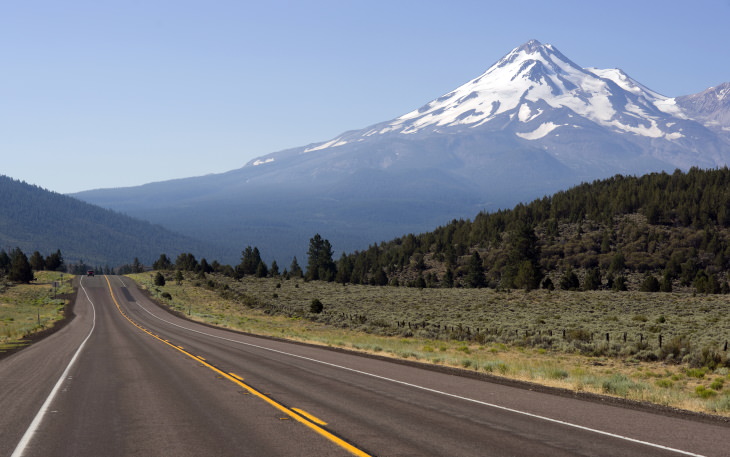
375,320
29,308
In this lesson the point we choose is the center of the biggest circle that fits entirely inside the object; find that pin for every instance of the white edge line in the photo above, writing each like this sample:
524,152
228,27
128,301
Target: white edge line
33,427
416,386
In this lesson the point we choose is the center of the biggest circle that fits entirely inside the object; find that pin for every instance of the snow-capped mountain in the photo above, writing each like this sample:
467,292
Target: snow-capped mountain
535,97
711,107
533,123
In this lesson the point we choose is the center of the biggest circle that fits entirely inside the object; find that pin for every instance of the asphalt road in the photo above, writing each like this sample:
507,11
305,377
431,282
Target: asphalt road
126,378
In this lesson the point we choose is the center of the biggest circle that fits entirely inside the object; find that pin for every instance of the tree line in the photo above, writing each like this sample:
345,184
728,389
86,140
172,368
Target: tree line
16,266
667,230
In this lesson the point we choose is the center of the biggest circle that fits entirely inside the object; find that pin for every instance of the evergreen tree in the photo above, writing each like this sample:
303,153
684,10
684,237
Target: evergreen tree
294,269
186,262
54,262
250,260
475,274
570,280
20,270
344,269
163,263
137,267
666,283
37,262
274,271
527,277
592,279
159,279
619,284
448,279
524,248
4,262
205,267
380,278
650,284
320,265
261,270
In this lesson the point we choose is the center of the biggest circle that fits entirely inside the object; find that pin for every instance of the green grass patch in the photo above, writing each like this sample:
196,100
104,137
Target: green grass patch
29,308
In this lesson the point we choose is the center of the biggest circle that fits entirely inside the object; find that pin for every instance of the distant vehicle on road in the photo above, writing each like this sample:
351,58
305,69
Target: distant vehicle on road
90,273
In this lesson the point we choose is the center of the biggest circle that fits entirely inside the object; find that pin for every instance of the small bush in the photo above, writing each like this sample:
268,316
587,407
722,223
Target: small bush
717,384
698,373
316,306
707,357
675,349
159,279
704,392
620,385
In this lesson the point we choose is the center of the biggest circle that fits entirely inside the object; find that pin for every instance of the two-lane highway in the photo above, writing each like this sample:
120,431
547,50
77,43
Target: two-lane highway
149,383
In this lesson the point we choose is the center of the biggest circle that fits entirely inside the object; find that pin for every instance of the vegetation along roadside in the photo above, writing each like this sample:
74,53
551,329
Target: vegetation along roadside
29,311
663,348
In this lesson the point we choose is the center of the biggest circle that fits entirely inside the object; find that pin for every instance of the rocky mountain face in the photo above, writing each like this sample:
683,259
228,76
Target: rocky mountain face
711,107
533,123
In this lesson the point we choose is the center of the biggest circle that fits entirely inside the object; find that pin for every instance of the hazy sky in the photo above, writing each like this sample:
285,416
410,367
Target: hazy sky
119,93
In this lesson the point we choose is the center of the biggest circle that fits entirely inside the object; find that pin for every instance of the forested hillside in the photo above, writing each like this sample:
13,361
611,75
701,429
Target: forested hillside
656,232
35,219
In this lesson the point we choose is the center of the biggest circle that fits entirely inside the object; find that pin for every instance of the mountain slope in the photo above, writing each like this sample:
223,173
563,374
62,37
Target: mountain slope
711,107
532,124
33,219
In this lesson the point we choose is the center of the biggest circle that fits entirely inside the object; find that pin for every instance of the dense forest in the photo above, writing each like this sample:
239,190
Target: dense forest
657,232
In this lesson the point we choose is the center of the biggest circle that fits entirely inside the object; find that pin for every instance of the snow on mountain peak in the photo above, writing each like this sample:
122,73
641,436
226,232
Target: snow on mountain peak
530,76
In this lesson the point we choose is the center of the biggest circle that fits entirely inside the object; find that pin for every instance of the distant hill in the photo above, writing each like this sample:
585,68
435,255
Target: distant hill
35,219
655,232
534,123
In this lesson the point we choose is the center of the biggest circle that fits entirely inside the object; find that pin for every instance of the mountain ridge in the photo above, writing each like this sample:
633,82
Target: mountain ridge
34,218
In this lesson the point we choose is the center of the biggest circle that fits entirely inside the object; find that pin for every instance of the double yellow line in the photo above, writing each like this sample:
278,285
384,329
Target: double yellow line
296,414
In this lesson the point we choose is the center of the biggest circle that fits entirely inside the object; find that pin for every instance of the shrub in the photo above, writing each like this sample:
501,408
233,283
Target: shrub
675,349
708,357
620,385
717,384
159,279
704,392
722,404
316,306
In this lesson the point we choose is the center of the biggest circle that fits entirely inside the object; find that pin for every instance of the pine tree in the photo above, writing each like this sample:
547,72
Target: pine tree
448,279
20,270
37,262
4,262
294,269
592,279
163,263
475,274
320,265
159,279
274,271
54,262
570,280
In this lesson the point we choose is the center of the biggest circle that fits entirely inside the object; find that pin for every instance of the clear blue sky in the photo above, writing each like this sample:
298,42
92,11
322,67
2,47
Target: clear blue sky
119,93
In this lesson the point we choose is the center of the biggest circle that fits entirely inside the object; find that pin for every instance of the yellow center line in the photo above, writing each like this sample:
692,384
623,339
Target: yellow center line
309,416
297,415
